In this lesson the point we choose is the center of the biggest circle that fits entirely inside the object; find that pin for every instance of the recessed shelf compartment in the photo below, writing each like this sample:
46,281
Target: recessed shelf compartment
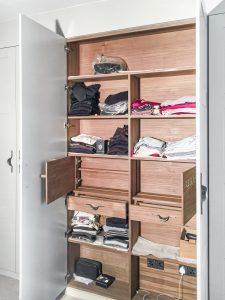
118,290
107,156
167,280
98,245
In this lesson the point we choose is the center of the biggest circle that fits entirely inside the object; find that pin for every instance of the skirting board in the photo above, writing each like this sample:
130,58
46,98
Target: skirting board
82,295
9,274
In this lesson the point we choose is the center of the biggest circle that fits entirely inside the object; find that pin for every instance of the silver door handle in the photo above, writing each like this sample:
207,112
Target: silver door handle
9,161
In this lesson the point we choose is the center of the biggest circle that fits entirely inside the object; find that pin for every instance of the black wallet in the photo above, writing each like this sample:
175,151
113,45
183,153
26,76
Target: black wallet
88,268
104,280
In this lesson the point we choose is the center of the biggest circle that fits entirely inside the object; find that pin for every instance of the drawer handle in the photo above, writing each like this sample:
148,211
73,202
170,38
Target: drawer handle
94,207
164,219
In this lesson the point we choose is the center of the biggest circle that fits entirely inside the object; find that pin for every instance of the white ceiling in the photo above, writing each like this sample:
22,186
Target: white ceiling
9,9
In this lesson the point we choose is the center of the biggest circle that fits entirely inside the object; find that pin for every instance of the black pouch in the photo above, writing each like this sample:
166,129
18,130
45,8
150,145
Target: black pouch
88,268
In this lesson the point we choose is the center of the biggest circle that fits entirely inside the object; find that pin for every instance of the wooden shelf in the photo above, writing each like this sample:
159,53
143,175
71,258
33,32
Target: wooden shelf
118,290
160,159
139,74
185,116
99,77
98,155
96,244
98,117
113,194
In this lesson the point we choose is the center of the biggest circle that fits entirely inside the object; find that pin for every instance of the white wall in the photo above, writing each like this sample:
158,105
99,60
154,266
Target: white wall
106,15
9,34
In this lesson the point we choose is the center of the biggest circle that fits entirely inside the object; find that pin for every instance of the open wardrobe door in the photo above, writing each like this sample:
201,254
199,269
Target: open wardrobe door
202,155
43,109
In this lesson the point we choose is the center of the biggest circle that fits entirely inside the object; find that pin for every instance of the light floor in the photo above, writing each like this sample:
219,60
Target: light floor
141,296
9,288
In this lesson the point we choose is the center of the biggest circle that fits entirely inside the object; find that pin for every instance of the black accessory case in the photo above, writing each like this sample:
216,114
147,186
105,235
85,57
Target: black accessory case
104,281
88,268
101,146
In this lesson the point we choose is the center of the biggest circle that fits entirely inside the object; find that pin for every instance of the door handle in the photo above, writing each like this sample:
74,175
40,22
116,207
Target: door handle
94,207
163,219
9,161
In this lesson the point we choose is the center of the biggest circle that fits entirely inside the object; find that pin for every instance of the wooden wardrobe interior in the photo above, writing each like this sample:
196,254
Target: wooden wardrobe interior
161,62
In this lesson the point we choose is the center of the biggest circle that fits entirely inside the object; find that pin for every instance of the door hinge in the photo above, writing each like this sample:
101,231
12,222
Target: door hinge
68,125
68,276
66,87
68,232
203,194
67,49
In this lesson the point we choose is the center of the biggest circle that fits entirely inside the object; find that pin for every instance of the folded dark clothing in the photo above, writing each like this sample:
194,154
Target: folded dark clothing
116,222
78,148
115,98
84,236
115,234
107,68
118,144
85,99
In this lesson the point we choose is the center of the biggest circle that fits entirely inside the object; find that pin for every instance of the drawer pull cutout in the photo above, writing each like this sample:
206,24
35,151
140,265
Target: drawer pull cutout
94,207
164,219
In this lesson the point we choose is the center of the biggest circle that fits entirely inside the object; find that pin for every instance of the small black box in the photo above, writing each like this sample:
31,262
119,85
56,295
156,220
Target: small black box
101,146
104,280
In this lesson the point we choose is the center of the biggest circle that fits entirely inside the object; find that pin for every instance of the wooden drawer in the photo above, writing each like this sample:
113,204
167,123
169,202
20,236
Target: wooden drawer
108,208
166,279
155,215
188,249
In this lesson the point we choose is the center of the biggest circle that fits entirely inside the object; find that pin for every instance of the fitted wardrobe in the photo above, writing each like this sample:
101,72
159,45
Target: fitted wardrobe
156,195
9,200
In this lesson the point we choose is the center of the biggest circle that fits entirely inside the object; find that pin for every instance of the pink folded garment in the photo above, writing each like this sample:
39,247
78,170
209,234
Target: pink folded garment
141,102
177,106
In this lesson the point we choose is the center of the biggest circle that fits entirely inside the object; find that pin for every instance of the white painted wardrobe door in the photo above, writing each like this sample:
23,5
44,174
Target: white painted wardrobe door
43,137
217,156
202,155
8,197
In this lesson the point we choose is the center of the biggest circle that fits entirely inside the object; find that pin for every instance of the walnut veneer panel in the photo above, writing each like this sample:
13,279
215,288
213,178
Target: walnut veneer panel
101,128
167,88
170,49
167,129
167,280
60,178
161,233
115,264
105,163
162,178
105,179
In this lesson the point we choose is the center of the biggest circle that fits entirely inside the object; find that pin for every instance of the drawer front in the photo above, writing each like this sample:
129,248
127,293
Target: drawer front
97,206
155,215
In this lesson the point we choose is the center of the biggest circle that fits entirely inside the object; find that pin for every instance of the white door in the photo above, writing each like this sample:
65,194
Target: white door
43,137
202,156
217,156
8,197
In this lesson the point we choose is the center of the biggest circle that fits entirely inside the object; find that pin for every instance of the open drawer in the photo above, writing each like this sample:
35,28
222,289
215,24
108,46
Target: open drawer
108,208
166,195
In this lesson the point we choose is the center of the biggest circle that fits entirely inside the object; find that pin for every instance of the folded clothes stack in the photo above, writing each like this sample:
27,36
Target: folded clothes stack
85,226
143,107
182,149
118,144
83,143
85,99
116,104
184,105
116,233
148,146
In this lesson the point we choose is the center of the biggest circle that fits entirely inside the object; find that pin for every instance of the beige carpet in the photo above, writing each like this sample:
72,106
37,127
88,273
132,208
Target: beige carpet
9,288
